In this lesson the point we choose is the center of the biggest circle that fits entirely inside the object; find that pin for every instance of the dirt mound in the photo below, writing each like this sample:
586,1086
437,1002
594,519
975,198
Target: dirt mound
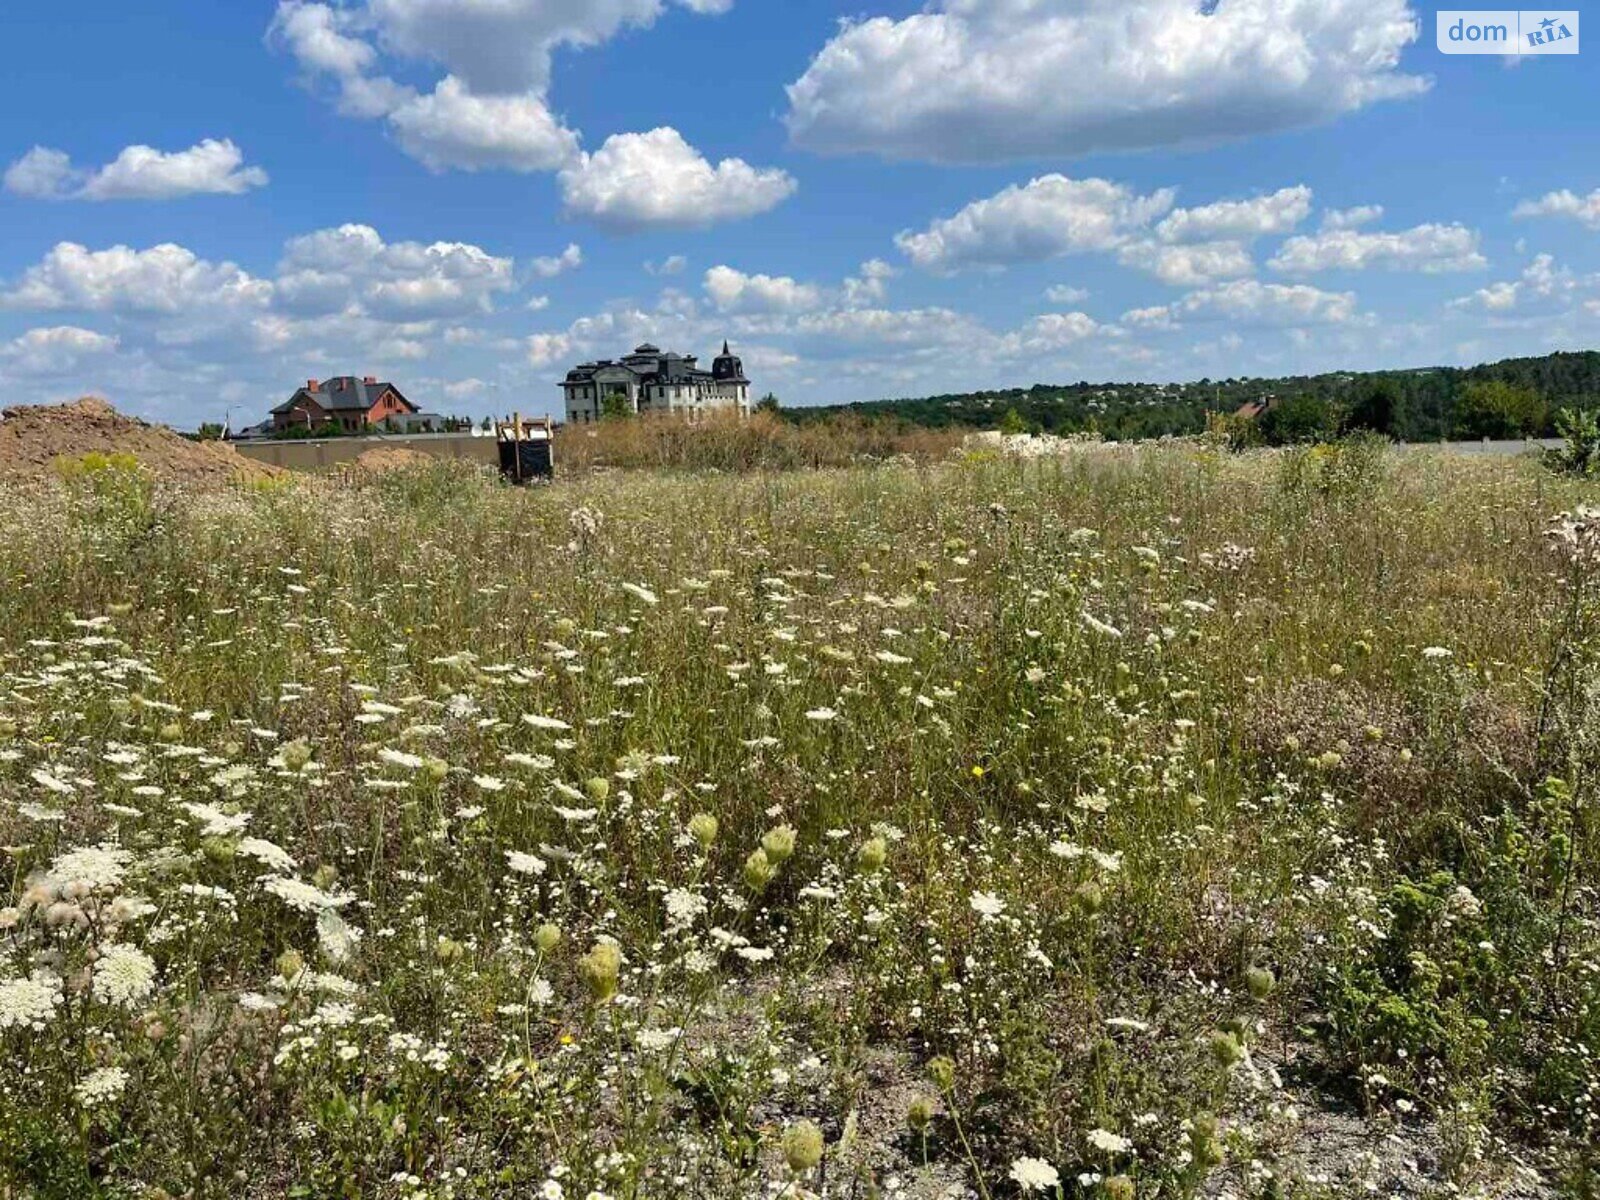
32,438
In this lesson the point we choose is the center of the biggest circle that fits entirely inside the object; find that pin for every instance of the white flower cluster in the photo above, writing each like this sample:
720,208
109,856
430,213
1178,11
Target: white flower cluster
123,975
29,1003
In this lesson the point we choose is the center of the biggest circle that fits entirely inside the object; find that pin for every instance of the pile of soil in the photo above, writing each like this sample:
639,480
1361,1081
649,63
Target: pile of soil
33,437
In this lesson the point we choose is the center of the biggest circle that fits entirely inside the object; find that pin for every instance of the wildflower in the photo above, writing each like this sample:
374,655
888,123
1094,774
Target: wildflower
546,938
539,722
943,1073
1101,627
399,758
1436,652
29,1003
525,864
1111,1143
987,904
1119,1187
124,975
643,594
97,868
684,906
304,897
337,937
214,822
802,1146
599,970
268,854
100,1087
597,789
821,714
1034,1175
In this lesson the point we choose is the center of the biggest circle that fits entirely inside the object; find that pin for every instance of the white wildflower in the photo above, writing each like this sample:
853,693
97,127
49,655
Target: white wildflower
987,904
124,975
29,1003
525,864
268,854
1034,1175
100,1087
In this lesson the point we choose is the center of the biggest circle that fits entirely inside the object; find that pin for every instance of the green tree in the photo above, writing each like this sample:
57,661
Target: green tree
1013,423
614,405
768,403
1297,420
1375,408
1493,408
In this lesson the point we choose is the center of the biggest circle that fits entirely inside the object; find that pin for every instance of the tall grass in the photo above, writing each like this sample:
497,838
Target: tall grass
760,442
1105,826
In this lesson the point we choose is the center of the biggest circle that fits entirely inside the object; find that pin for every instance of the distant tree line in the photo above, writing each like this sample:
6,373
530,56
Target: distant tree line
1514,398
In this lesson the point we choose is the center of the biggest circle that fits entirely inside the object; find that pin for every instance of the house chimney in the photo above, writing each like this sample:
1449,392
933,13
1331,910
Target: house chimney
370,380
311,385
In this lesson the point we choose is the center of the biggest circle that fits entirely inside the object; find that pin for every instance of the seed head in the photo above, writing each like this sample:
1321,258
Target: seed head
920,1113
546,938
778,843
872,855
1260,981
758,870
802,1146
599,970
703,828
1225,1048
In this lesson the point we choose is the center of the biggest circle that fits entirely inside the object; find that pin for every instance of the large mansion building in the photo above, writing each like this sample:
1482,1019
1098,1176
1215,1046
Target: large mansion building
652,381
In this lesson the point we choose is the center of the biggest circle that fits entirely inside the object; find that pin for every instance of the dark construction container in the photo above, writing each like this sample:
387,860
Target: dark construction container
527,450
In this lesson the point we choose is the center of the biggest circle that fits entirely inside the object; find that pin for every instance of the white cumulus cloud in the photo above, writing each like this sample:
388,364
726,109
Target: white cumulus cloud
999,80
734,291
1431,249
53,350
167,279
1247,301
656,179
549,266
353,268
451,128
211,167
1565,203
1262,216
1045,218
1190,265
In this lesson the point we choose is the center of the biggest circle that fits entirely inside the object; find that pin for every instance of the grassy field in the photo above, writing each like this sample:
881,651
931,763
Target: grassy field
1139,823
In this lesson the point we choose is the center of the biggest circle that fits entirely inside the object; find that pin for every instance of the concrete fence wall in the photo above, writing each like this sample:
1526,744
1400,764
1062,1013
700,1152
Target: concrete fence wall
327,454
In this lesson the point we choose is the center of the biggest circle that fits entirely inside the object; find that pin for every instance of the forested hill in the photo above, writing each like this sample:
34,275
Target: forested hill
1422,404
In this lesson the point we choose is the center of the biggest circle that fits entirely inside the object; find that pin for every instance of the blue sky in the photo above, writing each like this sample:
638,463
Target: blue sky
204,205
